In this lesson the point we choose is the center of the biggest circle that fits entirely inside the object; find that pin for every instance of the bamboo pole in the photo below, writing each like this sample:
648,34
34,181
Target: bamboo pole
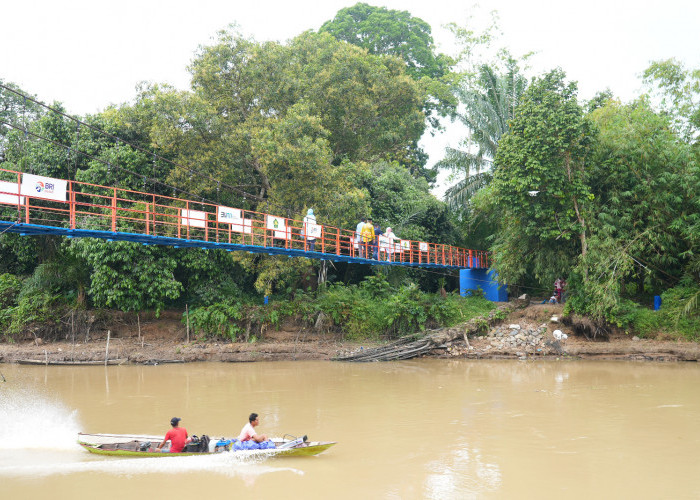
72,331
187,313
138,322
109,334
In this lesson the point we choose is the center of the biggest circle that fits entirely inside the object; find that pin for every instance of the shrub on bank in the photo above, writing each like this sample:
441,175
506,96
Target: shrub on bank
370,310
678,317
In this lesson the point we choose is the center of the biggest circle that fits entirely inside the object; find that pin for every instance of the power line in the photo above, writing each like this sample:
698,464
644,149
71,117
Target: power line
192,171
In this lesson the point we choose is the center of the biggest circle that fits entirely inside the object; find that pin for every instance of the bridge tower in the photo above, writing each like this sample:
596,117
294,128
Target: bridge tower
472,279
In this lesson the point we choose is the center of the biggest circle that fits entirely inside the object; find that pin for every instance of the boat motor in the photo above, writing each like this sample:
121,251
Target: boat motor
293,444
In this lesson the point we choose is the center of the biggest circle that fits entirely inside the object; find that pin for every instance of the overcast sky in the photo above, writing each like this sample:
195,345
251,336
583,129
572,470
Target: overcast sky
88,54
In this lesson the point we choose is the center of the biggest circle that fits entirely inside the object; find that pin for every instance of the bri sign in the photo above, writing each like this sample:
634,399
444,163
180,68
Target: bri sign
234,216
47,188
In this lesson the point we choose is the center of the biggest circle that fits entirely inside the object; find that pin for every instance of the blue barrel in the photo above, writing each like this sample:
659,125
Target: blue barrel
657,302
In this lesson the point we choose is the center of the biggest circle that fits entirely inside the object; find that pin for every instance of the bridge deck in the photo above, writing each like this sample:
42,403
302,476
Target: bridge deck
81,210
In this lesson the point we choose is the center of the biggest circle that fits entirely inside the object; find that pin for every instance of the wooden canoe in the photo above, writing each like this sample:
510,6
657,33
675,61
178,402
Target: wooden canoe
104,444
71,363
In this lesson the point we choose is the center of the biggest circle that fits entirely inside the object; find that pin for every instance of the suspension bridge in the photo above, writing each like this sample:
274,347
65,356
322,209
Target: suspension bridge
32,205
38,205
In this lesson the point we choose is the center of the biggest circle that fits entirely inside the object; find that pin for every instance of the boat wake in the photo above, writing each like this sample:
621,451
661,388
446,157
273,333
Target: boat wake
31,420
38,438
227,464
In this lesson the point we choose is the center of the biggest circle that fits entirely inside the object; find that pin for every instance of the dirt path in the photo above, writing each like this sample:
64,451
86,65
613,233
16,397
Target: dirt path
164,340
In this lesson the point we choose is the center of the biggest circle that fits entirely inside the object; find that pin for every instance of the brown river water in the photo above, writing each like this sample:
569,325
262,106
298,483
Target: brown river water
437,429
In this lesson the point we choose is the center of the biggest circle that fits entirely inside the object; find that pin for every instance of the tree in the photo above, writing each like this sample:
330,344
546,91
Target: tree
489,105
679,93
540,188
129,276
390,32
16,111
646,184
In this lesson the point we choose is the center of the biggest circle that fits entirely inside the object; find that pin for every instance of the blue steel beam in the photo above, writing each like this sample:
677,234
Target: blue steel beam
146,239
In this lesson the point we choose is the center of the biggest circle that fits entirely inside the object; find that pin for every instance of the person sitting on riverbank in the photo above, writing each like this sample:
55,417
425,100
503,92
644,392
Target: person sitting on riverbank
177,437
248,431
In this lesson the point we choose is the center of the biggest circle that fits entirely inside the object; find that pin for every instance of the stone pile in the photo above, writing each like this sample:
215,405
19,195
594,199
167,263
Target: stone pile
513,336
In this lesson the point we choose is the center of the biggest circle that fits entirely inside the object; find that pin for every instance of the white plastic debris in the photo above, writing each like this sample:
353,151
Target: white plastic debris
559,335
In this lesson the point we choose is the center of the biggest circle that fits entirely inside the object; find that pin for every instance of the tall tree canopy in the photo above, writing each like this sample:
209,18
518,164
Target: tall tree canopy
489,103
539,190
390,32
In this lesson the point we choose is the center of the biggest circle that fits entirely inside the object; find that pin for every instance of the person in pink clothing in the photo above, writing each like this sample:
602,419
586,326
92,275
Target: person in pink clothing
248,431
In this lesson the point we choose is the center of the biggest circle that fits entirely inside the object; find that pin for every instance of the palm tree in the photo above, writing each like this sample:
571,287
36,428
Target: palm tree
489,104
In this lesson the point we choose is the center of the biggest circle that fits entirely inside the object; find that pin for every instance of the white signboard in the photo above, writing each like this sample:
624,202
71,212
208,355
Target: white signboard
229,215
405,245
193,218
242,226
423,246
10,199
278,225
384,243
313,230
44,187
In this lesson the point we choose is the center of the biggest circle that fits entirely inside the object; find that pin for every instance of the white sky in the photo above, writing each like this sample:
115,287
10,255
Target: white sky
88,54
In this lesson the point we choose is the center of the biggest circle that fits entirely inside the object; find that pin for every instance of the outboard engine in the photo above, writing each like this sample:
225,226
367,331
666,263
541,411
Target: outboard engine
293,444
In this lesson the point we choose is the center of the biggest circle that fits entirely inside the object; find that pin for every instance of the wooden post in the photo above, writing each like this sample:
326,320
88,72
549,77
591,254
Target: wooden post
109,333
187,313
72,329
46,358
138,323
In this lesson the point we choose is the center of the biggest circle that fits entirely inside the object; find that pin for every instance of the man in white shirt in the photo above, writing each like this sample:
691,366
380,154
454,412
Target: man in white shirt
309,219
248,431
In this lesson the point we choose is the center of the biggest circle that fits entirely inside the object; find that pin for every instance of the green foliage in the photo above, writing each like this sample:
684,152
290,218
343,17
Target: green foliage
384,31
397,34
679,91
490,102
376,310
129,276
216,320
545,153
10,286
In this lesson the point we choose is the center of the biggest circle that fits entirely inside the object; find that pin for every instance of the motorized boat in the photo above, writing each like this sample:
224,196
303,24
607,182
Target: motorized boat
128,445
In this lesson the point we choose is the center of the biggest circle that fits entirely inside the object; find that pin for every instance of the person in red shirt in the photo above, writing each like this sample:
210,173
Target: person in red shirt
177,437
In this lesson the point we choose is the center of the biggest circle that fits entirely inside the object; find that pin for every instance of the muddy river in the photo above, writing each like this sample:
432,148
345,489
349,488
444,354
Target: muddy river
417,429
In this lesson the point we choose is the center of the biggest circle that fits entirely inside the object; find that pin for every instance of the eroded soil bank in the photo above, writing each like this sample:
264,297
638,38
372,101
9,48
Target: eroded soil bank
153,340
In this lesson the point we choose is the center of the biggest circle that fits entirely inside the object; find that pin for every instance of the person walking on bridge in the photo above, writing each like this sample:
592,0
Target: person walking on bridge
310,240
367,238
358,236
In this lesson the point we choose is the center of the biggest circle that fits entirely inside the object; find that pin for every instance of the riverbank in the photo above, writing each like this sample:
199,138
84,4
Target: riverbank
523,334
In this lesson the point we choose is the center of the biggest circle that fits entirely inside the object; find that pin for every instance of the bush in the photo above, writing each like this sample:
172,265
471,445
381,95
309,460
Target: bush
217,320
675,319
374,309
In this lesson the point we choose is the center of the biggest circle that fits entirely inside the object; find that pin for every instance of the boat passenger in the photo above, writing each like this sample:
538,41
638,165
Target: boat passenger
177,436
248,431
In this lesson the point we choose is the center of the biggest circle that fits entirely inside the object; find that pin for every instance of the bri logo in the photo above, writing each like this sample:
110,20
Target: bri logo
44,187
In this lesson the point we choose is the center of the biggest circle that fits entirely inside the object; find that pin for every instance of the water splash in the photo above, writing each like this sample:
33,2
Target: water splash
32,420
38,439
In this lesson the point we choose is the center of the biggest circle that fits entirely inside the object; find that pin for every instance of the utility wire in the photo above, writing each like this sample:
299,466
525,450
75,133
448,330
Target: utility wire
192,171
